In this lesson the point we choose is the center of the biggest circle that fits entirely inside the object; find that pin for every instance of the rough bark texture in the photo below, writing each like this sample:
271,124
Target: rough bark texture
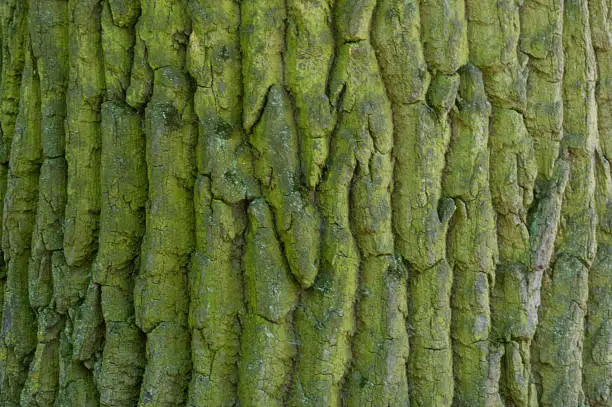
306,203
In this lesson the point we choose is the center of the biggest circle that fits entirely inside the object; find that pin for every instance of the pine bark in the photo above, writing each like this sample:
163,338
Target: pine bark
306,203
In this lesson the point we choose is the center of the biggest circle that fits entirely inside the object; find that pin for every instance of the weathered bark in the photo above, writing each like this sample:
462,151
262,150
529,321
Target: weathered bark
306,203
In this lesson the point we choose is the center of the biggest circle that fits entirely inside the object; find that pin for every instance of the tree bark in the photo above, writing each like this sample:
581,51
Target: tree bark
306,203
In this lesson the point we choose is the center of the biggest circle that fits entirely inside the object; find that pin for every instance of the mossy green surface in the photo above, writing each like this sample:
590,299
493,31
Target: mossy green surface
473,243
597,355
161,296
18,319
122,225
559,337
42,384
308,55
305,203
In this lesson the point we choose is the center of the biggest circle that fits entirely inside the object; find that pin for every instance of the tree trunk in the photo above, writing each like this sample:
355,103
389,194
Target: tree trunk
306,203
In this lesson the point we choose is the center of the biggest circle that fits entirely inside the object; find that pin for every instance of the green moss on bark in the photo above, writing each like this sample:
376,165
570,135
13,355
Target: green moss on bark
262,28
309,48
122,225
276,166
18,319
83,98
473,245
225,179
559,338
319,202
216,289
161,291
597,356
271,294
49,38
